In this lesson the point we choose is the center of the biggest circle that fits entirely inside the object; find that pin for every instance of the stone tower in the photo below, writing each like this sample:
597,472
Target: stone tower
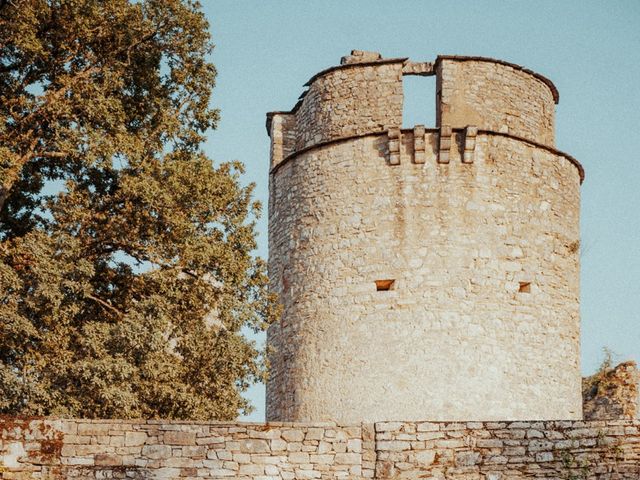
425,273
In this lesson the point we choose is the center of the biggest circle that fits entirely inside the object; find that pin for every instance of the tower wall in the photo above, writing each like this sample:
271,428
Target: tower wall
482,319
495,95
351,100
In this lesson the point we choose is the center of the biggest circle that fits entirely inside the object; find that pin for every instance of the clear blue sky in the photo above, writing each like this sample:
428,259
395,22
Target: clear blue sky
266,50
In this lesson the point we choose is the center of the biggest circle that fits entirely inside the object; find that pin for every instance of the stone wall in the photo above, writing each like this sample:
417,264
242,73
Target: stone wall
495,96
482,320
85,449
508,450
365,95
361,96
282,130
89,450
611,393
350,100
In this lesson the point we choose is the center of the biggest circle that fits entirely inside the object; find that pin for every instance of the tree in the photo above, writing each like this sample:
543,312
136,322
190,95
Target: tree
126,274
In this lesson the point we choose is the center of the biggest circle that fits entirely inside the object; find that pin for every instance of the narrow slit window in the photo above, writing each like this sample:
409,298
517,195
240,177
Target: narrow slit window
384,285
525,287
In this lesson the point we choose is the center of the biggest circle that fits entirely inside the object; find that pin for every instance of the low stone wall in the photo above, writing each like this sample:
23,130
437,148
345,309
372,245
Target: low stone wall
508,450
85,449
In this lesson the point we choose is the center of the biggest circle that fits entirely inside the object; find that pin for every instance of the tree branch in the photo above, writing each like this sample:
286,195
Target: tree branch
54,154
105,304
14,172
49,98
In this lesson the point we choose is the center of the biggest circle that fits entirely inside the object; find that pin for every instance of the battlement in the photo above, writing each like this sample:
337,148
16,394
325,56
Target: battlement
364,95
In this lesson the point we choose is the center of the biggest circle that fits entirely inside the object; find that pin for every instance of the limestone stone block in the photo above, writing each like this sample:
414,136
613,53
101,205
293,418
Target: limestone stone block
108,459
156,451
135,438
254,446
180,438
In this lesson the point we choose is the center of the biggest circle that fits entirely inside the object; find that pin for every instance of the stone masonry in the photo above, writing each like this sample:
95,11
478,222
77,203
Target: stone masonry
424,272
86,449
89,450
611,393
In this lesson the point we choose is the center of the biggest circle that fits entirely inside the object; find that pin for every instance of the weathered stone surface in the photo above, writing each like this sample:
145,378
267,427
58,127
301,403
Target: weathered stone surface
612,393
156,451
491,451
254,446
180,438
134,438
387,450
495,96
108,459
423,272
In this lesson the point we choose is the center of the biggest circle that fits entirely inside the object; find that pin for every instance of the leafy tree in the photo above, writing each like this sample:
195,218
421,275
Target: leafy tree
126,274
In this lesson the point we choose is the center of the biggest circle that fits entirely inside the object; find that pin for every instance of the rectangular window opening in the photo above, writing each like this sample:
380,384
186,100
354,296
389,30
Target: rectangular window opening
384,285
525,287
419,105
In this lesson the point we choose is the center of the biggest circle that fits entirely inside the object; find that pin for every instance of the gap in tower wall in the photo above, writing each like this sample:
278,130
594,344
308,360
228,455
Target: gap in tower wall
419,105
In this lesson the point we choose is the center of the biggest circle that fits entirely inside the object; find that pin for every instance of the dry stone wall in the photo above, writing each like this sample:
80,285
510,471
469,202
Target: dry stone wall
90,450
508,450
85,449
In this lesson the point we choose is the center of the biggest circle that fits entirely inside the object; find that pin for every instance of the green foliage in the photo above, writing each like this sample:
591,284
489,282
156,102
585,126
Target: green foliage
599,382
126,274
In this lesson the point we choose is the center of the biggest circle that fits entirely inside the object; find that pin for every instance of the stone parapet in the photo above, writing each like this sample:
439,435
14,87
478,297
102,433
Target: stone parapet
364,94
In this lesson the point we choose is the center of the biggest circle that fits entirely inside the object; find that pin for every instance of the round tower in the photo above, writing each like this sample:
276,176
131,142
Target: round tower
424,273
